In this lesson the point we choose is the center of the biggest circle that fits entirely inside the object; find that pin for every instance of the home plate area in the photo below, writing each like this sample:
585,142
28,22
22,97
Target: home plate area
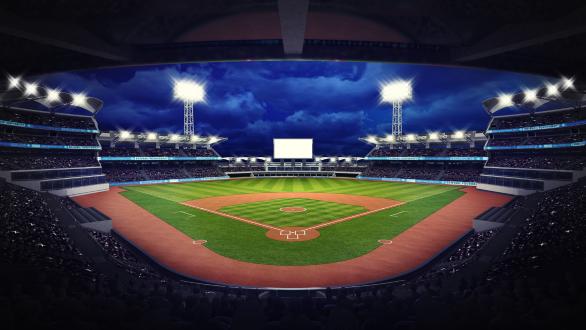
292,234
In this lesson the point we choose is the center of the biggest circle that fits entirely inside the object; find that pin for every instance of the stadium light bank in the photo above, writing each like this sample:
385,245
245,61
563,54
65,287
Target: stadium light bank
397,92
189,92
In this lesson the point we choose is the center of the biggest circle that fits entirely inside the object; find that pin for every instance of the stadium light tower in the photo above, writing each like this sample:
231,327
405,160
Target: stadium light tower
397,92
190,92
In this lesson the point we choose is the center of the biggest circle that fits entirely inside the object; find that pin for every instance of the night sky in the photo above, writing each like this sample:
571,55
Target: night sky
251,103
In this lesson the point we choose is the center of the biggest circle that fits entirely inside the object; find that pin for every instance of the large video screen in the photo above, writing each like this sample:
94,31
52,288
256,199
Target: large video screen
293,148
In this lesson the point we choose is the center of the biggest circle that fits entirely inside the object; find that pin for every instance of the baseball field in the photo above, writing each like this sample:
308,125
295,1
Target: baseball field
292,221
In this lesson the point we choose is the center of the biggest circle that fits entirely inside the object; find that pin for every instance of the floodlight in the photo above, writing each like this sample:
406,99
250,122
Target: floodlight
552,89
505,100
188,91
459,134
53,95
174,137
31,89
433,136
371,139
78,99
390,138
567,83
252,160
194,138
410,137
13,82
529,95
151,136
124,134
213,139
397,91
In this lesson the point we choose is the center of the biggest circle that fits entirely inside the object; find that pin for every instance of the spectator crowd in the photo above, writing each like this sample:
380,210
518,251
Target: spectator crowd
443,152
538,282
124,172
47,119
444,172
27,159
538,119
153,152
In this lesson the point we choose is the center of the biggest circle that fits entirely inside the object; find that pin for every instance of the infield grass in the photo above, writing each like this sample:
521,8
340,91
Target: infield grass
269,212
246,242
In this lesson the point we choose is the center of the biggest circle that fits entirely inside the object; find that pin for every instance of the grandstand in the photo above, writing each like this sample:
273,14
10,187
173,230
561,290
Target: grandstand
49,151
534,151
419,211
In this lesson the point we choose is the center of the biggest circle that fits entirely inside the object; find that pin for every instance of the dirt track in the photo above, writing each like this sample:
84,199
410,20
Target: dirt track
177,252
216,203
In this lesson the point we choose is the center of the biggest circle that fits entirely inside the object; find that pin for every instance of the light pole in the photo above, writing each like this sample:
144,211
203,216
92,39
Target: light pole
396,92
190,92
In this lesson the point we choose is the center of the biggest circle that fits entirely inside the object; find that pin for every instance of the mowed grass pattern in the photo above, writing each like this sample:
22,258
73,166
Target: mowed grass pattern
269,212
246,242
400,191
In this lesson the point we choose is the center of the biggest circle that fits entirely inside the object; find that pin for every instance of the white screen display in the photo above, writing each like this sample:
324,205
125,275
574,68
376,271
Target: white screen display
293,148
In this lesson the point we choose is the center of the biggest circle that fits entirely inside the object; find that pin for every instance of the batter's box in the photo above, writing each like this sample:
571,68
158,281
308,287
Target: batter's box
293,234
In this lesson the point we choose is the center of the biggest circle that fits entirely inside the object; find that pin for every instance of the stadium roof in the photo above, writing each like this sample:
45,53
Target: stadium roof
547,37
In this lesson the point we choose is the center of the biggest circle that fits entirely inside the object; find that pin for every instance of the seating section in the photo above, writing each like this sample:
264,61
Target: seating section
27,159
31,235
496,214
443,152
153,152
556,137
538,119
144,171
541,267
552,234
425,171
563,159
86,215
530,160
30,136
46,119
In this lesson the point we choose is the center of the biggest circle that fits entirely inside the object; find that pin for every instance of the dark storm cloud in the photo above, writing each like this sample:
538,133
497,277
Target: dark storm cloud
253,102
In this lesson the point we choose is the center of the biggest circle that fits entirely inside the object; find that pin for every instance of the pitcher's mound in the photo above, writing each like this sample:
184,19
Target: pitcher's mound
293,209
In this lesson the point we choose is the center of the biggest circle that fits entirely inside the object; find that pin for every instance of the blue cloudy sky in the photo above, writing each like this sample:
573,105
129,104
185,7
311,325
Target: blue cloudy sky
251,103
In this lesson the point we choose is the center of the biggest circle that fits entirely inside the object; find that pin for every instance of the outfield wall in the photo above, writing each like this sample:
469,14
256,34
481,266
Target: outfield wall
134,183
454,183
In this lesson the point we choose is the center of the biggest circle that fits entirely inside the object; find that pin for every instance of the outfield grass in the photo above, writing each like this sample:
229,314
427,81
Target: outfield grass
242,241
269,211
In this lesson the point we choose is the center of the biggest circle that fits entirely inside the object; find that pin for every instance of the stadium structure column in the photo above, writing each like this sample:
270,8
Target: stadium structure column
188,127
397,92
189,92
397,128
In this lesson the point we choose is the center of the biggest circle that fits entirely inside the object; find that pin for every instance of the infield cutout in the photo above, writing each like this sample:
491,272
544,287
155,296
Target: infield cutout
292,234
293,209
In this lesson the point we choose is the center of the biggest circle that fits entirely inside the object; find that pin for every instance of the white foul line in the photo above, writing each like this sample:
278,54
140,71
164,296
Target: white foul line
394,215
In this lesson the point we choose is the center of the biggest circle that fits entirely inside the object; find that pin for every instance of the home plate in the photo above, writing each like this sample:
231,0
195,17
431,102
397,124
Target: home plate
385,241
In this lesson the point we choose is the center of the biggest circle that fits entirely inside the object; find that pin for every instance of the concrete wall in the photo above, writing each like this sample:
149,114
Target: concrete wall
505,190
77,191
